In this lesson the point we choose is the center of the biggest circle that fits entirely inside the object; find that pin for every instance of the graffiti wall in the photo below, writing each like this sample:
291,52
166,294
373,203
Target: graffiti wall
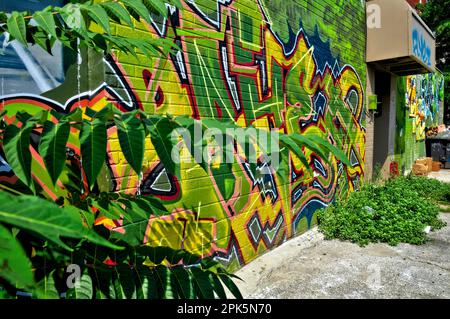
419,106
292,66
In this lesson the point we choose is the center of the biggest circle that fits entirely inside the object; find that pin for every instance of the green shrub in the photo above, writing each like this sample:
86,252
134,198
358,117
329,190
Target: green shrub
427,188
394,212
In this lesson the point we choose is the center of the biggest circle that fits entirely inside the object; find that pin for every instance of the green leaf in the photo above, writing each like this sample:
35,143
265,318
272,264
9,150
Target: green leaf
52,147
155,204
144,47
155,254
176,3
23,116
164,282
202,283
156,6
16,144
147,288
99,15
339,154
83,288
308,143
183,283
131,139
225,277
3,17
126,277
46,22
46,288
15,267
292,145
185,121
208,263
73,17
98,42
137,10
121,44
105,114
41,39
190,259
218,287
46,219
133,211
174,257
93,140
197,143
160,133
17,27
108,210
134,233
116,10
75,116
102,281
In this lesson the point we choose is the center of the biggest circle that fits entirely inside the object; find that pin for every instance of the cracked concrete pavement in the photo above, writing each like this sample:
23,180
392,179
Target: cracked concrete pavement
310,267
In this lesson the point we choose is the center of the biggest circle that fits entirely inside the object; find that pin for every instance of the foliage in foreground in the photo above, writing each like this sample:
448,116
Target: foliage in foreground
397,211
101,233
72,24
37,246
41,239
63,251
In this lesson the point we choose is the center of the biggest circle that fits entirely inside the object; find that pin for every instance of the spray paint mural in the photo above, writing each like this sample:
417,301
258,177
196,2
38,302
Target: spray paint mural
419,106
424,94
233,65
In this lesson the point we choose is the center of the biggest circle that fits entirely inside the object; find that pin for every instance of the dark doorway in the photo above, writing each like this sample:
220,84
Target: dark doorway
381,127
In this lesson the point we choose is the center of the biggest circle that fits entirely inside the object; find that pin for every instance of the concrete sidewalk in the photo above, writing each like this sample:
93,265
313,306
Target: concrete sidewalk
443,175
311,267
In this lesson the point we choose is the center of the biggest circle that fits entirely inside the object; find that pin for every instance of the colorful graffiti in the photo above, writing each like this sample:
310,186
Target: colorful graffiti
423,98
419,106
232,66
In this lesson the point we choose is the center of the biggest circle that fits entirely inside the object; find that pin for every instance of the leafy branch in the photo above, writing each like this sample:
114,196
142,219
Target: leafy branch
133,128
121,269
72,25
60,238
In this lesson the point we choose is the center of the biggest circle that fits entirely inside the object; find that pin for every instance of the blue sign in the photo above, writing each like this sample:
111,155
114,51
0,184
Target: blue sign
421,48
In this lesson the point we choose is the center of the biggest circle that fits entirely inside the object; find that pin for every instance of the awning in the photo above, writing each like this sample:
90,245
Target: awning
398,40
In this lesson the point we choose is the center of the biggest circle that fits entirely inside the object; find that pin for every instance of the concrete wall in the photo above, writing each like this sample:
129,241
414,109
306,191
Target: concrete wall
298,66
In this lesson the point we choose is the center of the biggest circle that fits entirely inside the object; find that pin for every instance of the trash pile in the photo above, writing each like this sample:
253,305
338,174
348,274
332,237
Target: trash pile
423,166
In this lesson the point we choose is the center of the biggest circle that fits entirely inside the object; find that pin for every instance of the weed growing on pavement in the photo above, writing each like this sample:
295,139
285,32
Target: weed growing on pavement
397,211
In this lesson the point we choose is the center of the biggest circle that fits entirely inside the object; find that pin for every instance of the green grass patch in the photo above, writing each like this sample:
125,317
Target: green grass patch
393,212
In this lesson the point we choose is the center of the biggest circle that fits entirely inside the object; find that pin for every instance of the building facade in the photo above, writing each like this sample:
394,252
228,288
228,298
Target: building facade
404,83
293,66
